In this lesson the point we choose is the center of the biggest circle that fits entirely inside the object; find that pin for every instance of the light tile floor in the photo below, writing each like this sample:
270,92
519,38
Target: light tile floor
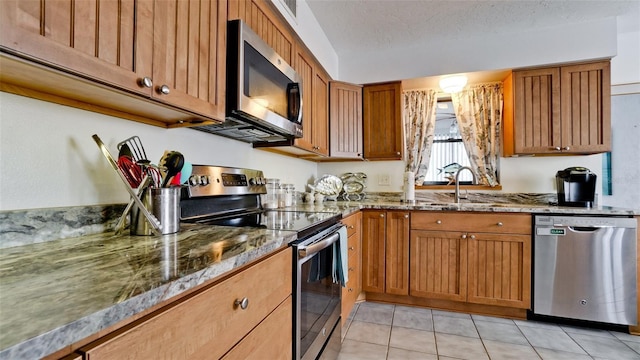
383,331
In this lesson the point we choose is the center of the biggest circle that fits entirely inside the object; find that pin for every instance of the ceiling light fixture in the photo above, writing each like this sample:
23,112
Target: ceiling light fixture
453,84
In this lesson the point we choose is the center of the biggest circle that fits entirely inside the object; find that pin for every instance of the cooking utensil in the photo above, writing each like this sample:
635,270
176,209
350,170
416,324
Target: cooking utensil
173,162
135,148
186,171
131,170
141,190
153,221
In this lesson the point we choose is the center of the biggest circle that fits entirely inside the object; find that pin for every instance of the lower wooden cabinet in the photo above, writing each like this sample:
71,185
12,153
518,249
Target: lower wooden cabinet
473,258
209,324
353,289
385,252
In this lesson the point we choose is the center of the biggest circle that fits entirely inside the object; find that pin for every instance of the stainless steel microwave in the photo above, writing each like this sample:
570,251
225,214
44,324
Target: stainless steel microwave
264,93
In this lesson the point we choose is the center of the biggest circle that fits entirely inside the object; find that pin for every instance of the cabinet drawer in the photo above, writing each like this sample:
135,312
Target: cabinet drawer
476,222
353,223
208,324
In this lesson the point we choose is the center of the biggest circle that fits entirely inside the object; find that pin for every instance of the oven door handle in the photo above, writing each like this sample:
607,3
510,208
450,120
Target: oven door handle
318,246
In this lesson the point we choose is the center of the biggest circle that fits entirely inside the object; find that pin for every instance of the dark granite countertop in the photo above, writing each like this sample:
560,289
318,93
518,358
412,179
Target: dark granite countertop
55,293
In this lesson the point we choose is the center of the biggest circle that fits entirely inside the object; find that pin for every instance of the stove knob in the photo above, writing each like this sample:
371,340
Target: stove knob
252,182
204,180
194,180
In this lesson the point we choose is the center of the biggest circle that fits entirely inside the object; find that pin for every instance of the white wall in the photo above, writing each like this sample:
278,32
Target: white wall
48,158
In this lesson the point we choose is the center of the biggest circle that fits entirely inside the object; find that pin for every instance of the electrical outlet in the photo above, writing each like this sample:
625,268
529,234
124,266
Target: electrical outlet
383,180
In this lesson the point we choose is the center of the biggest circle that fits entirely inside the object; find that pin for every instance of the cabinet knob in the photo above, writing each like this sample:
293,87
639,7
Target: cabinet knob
145,82
406,216
351,269
164,89
381,215
464,236
244,303
398,153
557,148
438,221
350,289
500,223
472,237
351,248
566,148
351,227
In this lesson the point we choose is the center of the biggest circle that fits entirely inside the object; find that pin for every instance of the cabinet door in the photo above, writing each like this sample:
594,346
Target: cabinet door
586,107
397,253
345,120
373,251
351,292
109,41
261,18
438,265
320,120
304,67
383,121
189,55
277,328
537,128
500,269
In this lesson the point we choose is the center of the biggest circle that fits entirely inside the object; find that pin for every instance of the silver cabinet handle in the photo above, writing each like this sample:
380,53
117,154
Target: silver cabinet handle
438,221
145,82
244,303
164,89
500,223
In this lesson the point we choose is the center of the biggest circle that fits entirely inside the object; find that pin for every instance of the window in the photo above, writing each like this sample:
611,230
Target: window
447,152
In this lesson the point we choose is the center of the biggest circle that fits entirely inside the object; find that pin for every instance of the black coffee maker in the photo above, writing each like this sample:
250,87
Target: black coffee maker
576,187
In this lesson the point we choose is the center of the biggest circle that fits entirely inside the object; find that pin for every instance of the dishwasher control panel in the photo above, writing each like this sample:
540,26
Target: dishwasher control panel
580,221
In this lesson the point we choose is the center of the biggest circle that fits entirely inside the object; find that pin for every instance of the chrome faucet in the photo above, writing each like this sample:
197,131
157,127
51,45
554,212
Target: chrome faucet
456,194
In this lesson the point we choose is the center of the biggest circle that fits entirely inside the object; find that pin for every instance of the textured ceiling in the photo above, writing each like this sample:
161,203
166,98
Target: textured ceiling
354,26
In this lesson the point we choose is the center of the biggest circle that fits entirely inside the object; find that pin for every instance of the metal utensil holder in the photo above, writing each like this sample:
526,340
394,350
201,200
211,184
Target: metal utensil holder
135,199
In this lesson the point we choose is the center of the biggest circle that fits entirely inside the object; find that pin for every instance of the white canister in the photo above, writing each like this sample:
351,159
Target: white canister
409,186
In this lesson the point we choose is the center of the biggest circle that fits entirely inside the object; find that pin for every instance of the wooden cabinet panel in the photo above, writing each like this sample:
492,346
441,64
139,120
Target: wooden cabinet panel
586,107
382,122
208,324
500,270
353,289
105,40
373,251
271,339
320,120
263,20
345,120
189,55
397,253
486,222
558,110
537,110
304,67
438,265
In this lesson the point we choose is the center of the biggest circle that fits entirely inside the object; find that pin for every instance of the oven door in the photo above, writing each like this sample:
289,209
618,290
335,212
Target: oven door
317,313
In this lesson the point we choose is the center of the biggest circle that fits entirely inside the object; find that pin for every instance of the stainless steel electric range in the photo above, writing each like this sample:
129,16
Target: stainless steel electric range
228,196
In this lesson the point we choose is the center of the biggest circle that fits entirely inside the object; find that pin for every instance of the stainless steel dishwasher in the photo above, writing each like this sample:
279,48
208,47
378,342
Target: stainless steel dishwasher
585,268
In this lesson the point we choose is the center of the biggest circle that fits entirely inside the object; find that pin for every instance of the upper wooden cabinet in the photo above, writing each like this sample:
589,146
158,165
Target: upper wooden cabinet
263,19
96,54
558,110
189,55
383,121
345,120
108,41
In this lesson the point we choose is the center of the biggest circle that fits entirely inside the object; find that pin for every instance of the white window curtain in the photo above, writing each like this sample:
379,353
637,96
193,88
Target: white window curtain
419,119
478,110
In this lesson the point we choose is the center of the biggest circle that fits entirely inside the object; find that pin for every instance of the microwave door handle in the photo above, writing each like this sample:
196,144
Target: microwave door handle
295,89
318,246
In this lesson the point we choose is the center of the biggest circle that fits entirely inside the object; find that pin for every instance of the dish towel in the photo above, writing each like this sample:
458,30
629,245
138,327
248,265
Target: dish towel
341,259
